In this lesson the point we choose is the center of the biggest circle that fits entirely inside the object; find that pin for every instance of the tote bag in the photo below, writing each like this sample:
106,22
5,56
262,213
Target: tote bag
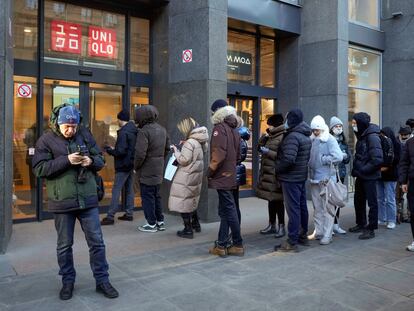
336,193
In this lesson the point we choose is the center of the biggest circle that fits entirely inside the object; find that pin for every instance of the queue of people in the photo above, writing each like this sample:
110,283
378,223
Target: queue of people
293,154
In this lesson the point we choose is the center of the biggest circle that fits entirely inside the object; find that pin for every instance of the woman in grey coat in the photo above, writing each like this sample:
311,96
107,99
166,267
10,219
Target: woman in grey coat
325,153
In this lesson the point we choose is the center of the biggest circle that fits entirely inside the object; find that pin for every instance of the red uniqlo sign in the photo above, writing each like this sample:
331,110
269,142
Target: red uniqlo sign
102,42
66,37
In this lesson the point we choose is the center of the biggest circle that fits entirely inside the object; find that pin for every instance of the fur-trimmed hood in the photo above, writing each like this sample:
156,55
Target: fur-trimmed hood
221,114
318,123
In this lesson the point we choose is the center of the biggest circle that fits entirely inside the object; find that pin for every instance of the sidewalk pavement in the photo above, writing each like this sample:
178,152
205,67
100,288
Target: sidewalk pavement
160,271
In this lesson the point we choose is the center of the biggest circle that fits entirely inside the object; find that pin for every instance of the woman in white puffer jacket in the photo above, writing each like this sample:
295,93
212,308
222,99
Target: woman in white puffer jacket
325,153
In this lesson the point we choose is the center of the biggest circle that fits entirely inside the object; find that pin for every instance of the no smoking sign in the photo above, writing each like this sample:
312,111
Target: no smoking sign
187,56
24,90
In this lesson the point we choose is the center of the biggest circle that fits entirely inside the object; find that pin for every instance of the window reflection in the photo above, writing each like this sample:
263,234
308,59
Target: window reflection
25,29
267,62
140,45
241,60
364,11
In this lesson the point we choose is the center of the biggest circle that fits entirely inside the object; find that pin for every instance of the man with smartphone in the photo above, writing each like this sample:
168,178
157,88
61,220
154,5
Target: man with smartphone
67,157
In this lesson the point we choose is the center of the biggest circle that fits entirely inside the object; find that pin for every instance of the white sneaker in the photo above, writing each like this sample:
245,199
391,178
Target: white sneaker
325,241
315,236
411,247
338,229
148,228
391,225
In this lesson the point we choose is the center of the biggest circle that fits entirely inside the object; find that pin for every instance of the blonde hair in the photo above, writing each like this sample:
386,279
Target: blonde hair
186,125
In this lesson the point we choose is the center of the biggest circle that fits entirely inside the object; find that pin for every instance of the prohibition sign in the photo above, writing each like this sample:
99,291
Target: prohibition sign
187,56
24,90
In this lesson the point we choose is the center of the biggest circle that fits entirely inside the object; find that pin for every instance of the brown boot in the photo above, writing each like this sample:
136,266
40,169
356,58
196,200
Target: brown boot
236,250
218,251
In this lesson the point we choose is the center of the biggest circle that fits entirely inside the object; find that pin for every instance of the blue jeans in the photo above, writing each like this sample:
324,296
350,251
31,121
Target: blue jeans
294,195
229,219
151,203
387,206
65,226
122,179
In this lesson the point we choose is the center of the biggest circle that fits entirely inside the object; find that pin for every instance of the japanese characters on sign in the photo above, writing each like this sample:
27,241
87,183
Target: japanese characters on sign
102,42
66,37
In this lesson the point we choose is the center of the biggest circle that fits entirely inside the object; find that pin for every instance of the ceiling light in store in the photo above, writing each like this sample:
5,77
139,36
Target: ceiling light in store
27,30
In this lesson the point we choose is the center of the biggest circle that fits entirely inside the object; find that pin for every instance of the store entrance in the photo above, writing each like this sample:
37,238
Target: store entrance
99,104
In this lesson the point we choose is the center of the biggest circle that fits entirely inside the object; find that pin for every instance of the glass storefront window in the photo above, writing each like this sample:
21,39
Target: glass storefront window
105,103
24,139
267,109
241,60
267,62
363,69
140,45
364,12
84,37
25,29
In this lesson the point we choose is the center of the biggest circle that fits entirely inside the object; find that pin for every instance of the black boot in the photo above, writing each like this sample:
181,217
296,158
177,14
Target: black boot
271,228
66,291
281,232
195,223
187,232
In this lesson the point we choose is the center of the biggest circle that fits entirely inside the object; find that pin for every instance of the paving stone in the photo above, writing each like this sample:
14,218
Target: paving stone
359,295
156,304
404,265
390,279
6,268
50,304
405,305
218,298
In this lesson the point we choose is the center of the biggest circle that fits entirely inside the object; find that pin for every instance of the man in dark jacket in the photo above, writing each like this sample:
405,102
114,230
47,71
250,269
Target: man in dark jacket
292,171
151,148
367,170
224,154
406,178
123,153
67,157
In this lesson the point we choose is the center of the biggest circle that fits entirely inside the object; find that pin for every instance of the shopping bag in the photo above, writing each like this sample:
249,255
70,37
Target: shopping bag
335,192
171,168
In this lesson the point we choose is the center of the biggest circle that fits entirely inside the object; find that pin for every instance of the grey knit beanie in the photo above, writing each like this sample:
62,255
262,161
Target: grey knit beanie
335,121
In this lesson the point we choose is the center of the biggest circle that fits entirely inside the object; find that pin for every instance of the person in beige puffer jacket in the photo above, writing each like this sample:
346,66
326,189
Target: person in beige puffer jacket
186,185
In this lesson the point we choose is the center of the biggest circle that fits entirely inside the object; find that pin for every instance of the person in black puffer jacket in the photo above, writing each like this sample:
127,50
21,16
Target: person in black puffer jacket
292,171
123,152
367,170
387,206
406,178
241,168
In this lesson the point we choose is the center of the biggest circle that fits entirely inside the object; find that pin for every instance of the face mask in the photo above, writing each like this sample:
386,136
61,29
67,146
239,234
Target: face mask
355,128
337,131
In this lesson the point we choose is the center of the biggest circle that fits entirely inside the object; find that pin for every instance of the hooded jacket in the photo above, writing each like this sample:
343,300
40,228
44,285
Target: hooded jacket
224,150
368,151
124,150
186,185
64,192
391,173
325,153
268,187
406,167
151,147
293,154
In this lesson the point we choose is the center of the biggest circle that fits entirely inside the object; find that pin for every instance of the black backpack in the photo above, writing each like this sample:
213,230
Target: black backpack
387,150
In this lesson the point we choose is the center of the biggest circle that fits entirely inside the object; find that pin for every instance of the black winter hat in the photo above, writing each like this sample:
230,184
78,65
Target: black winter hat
362,119
410,123
275,120
123,115
294,117
219,103
404,130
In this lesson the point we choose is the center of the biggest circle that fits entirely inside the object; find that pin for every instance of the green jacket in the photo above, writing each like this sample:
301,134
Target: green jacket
65,191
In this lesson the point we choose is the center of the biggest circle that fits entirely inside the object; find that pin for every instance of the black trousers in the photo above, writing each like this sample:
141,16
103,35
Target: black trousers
410,199
276,208
366,191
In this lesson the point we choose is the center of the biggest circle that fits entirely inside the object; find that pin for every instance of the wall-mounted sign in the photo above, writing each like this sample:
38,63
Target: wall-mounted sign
187,56
102,42
239,63
66,37
24,90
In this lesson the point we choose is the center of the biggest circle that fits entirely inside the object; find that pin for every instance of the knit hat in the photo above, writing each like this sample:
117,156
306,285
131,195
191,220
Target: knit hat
275,120
318,123
123,115
68,115
335,121
294,117
219,103
404,130
410,123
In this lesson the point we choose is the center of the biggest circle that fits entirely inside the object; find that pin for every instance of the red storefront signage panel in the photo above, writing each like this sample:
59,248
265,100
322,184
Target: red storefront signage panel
66,37
102,42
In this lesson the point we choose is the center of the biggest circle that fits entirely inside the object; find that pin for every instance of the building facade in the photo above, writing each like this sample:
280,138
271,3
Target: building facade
328,57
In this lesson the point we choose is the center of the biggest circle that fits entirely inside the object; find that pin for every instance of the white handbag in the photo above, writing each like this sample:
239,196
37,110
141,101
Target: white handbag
171,168
336,193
